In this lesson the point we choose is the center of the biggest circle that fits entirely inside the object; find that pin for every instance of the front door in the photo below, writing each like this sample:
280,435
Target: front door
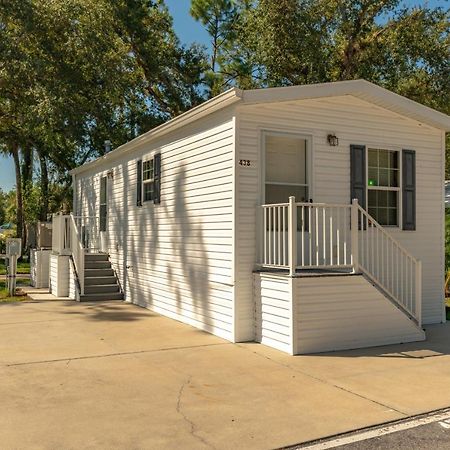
286,168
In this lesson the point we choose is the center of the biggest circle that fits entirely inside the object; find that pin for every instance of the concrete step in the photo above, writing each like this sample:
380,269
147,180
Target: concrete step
95,257
96,281
97,265
88,273
101,297
101,288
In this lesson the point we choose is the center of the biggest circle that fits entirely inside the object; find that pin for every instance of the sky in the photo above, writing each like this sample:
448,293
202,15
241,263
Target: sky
188,31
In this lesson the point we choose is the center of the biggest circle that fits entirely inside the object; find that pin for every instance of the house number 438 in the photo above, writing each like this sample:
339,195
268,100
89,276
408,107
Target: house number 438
244,162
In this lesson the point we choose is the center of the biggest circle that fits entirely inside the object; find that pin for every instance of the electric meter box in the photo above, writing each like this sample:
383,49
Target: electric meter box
13,247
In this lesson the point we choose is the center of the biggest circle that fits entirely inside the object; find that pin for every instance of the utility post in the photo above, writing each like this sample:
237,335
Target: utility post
13,252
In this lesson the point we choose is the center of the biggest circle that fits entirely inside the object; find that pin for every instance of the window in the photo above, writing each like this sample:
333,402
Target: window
285,168
103,204
148,180
383,185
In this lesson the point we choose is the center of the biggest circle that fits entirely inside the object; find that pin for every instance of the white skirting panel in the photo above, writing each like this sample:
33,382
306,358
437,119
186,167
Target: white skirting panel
315,314
347,312
59,275
273,314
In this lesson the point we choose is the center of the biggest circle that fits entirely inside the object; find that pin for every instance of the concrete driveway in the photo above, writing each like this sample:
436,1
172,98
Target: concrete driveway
113,375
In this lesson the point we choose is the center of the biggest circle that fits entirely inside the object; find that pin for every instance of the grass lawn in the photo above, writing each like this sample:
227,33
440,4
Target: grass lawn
22,267
4,298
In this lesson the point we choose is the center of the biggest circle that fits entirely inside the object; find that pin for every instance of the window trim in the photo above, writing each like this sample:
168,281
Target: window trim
398,189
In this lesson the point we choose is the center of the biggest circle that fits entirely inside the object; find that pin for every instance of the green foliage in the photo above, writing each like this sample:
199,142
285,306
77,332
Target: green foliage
74,73
308,41
8,206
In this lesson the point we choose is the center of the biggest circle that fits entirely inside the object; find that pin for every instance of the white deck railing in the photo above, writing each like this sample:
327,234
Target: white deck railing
75,236
61,234
89,232
306,236
297,236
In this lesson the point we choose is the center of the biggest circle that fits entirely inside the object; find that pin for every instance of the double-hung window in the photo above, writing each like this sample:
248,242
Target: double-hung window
148,180
383,185
103,204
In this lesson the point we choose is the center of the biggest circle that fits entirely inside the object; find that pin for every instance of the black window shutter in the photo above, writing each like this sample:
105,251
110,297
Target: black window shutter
409,189
139,182
157,178
358,174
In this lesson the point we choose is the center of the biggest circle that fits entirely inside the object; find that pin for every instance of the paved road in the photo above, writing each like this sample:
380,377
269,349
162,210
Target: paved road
429,431
432,436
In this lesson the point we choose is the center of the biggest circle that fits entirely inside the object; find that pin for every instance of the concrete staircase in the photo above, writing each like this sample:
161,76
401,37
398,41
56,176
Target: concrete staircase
100,282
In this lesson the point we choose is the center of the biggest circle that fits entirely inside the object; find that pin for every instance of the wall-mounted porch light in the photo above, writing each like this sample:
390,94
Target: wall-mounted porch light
333,140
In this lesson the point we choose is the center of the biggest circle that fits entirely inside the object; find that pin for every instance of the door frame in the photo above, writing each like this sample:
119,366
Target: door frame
309,158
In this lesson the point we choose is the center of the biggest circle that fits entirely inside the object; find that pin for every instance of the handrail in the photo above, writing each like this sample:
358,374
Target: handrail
389,236
389,265
77,253
77,278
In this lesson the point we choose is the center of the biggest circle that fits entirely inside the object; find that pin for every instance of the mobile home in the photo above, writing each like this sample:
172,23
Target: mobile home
308,218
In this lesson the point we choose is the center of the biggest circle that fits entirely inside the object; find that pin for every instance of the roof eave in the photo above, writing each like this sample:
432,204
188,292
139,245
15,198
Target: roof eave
221,101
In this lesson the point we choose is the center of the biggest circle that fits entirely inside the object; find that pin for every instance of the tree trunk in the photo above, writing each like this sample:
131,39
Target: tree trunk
44,187
19,197
27,165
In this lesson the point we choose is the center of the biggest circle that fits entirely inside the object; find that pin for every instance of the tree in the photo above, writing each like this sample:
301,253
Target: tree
74,73
306,41
170,74
222,19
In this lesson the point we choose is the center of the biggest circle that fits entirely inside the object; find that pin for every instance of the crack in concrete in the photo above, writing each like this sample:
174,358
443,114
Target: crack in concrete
107,355
186,418
321,380
37,321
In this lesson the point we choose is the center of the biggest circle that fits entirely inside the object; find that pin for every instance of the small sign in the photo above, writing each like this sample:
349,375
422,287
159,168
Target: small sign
13,247
244,162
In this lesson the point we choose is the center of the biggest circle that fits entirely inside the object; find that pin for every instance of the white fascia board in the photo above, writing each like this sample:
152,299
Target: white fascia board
219,102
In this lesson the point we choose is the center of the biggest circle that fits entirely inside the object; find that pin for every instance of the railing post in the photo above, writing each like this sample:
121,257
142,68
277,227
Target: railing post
259,236
292,233
418,305
354,235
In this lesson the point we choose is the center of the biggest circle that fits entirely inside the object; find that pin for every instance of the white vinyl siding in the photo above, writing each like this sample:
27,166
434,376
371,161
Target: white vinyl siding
354,121
175,257
59,275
